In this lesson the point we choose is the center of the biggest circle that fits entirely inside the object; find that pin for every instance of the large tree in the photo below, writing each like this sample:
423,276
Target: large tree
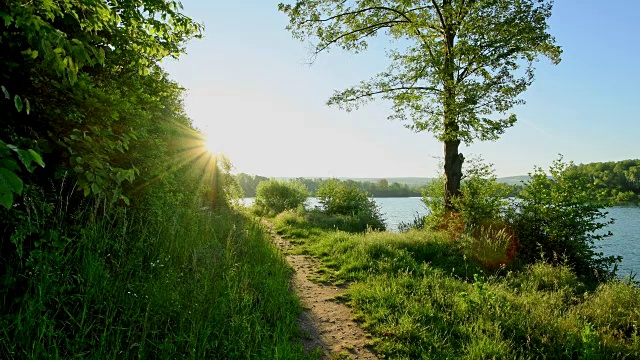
90,72
456,67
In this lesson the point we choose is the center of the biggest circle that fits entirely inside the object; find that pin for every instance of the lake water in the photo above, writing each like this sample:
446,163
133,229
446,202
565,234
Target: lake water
624,242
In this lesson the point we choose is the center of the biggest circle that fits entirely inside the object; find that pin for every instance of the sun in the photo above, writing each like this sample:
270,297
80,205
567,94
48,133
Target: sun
210,145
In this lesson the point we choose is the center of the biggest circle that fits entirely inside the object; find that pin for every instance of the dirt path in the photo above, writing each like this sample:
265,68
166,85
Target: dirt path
326,324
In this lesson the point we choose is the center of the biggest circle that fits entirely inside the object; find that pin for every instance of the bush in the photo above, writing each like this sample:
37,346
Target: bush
417,223
277,196
556,218
483,200
341,200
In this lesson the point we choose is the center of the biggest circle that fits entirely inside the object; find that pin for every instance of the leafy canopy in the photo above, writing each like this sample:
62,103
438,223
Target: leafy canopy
470,58
89,71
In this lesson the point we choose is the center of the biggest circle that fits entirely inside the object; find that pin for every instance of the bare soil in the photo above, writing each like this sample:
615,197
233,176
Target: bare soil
325,322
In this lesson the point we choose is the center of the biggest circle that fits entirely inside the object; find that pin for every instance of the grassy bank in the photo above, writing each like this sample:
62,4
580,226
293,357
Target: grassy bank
187,284
422,295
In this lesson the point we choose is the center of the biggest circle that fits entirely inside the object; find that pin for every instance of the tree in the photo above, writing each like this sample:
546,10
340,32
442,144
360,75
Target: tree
277,196
90,69
382,183
343,198
457,67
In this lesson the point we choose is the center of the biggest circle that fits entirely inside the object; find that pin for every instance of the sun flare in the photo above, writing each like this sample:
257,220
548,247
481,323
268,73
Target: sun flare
210,145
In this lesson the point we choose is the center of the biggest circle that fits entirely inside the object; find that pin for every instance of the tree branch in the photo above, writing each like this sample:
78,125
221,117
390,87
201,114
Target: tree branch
372,93
442,22
373,8
373,28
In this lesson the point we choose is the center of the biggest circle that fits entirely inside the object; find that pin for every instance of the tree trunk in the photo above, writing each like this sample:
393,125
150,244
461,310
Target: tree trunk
452,172
452,159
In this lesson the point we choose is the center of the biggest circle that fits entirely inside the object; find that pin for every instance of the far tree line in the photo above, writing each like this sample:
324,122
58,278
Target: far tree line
381,188
617,182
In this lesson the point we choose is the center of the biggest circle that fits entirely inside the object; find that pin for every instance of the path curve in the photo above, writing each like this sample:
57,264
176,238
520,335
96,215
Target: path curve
326,324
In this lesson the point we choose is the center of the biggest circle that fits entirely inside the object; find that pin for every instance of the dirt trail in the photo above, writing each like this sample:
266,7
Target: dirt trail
326,324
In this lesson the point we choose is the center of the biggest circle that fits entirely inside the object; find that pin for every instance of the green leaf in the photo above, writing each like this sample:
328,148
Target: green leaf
95,188
100,56
9,164
6,199
8,19
28,106
17,101
36,157
5,92
11,181
25,158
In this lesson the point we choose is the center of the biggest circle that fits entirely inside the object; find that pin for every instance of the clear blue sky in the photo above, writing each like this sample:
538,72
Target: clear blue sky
250,88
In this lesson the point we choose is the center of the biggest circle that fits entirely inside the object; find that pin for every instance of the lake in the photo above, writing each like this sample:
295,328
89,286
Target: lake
625,240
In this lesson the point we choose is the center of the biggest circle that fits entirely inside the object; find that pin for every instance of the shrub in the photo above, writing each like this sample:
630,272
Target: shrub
557,219
277,196
341,200
417,223
483,200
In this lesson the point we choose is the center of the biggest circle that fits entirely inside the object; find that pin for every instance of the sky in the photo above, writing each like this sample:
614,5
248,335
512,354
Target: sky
251,89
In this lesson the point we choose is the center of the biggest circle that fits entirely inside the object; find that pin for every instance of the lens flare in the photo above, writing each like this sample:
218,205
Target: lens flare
210,145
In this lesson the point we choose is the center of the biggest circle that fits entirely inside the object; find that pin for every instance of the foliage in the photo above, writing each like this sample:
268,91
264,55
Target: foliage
493,245
88,73
228,189
617,182
339,198
277,196
613,309
10,183
420,297
107,252
482,200
380,188
483,197
127,285
456,67
556,218
249,184
418,222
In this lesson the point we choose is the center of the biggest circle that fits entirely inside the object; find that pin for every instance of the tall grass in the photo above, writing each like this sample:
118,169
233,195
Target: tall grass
191,284
425,296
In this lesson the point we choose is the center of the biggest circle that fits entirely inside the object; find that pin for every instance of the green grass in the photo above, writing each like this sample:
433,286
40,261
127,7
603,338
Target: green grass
423,296
189,285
